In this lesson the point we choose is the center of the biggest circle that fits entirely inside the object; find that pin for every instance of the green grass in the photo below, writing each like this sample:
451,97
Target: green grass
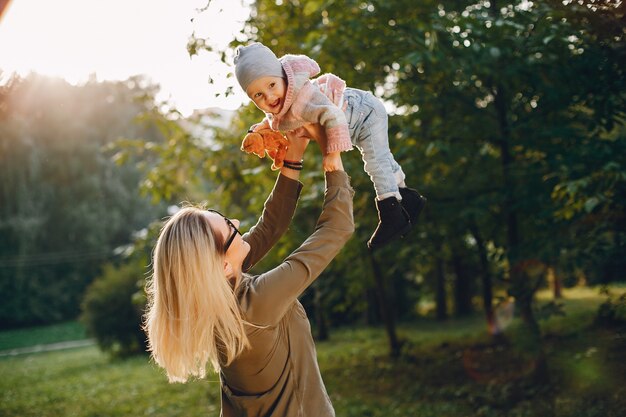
449,369
41,335
84,382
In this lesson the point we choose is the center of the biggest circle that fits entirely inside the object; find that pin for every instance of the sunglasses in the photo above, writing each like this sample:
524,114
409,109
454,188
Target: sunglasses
232,226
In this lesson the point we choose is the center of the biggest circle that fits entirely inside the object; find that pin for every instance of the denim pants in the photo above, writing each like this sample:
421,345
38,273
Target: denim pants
367,122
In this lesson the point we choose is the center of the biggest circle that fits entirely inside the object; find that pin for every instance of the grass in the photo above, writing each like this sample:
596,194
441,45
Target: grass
449,369
84,382
19,338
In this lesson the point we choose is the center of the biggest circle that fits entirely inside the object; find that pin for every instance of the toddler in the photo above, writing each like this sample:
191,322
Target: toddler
299,106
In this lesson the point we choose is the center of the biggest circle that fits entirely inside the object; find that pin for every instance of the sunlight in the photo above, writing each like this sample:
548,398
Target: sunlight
80,40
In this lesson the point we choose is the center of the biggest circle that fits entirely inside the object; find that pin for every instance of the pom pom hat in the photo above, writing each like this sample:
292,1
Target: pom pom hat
255,61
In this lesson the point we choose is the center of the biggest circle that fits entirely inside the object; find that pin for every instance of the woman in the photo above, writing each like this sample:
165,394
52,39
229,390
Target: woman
203,307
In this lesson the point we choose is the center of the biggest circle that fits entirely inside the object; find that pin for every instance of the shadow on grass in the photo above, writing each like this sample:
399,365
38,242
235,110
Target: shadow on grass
456,369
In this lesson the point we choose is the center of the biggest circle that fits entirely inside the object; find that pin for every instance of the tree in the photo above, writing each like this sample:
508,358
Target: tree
64,205
486,121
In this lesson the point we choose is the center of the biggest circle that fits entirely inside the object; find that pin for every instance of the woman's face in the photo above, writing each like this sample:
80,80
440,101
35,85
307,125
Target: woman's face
238,248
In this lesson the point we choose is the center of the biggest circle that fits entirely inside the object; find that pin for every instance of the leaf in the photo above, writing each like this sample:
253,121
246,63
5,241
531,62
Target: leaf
431,149
495,52
311,7
414,58
120,158
591,203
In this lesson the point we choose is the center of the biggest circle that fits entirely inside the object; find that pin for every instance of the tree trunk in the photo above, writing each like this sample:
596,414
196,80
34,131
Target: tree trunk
320,317
371,312
554,278
533,340
462,288
485,279
441,296
520,288
385,309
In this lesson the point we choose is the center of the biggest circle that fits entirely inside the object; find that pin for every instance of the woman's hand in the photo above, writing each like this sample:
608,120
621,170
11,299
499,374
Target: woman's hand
297,146
295,152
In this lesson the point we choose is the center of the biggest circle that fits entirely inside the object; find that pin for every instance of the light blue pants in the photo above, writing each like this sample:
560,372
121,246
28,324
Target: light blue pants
367,121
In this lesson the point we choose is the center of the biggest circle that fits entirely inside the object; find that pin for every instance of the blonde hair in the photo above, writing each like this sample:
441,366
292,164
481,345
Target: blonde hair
193,316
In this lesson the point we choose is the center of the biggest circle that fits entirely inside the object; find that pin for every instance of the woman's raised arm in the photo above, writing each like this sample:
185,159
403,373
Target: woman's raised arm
273,292
278,209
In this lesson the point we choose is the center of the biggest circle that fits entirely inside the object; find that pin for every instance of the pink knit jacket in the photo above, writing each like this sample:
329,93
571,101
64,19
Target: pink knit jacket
305,102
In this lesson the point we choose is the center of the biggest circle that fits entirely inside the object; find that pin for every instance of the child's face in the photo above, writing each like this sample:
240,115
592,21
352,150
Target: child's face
268,93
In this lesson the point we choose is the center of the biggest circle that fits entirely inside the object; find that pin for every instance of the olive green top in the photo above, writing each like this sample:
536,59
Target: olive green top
279,374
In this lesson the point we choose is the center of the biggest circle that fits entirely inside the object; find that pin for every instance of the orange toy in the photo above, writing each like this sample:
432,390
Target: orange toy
268,141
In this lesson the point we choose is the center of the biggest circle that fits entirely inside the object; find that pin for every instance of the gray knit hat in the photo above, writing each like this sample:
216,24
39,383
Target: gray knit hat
254,61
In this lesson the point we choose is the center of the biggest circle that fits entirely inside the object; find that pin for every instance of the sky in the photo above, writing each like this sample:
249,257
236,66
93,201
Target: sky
116,39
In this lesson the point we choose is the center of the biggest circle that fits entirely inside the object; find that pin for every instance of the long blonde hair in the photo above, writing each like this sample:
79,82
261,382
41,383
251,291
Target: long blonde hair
193,316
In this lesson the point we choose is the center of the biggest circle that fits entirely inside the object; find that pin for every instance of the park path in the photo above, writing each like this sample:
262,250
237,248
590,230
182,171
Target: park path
47,348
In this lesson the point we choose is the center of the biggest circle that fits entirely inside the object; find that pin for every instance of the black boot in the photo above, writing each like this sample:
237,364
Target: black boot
413,202
393,222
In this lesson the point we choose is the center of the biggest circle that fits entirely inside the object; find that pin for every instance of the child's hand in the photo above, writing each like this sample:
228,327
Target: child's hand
332,162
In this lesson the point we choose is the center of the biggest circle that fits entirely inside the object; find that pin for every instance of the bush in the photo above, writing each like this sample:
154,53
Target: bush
112,310
613,311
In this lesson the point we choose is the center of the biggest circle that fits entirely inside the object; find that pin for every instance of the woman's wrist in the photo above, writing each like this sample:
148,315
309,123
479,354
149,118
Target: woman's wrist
295,165
292,167
294,161
295,151
292,155
291,170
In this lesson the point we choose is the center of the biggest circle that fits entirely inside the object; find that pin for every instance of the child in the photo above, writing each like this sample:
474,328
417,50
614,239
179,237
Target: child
296,105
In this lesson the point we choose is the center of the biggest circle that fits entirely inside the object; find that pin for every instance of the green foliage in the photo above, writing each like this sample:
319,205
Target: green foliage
612,312
550,309
64,205
520,155
112,312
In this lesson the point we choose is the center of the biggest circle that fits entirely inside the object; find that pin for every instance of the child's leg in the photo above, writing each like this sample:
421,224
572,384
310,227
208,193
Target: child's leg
371,138
372,141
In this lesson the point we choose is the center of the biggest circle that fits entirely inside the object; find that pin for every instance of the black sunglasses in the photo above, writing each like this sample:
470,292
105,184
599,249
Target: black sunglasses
234,229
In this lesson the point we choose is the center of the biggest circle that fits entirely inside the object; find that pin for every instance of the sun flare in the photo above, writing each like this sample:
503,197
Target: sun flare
112,40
